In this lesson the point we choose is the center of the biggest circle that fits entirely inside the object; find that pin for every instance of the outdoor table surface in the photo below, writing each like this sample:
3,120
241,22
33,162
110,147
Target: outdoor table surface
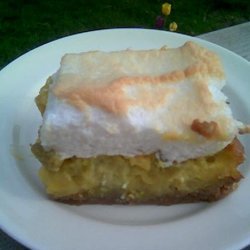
235,38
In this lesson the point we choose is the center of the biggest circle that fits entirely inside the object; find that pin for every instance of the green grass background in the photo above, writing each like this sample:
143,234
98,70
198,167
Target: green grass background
26,24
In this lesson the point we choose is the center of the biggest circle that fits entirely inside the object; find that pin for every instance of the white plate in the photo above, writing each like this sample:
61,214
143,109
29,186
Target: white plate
27,215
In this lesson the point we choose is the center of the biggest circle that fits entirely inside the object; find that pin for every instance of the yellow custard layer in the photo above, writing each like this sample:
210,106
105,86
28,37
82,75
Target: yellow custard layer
139,177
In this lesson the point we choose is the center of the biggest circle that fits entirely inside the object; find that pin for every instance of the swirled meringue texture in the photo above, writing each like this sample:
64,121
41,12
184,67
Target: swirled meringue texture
136,103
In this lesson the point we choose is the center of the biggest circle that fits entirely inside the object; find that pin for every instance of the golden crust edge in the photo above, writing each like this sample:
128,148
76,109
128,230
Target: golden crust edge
214,193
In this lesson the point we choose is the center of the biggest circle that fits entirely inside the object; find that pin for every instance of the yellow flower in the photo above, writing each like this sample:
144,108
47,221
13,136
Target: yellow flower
166,9
173,26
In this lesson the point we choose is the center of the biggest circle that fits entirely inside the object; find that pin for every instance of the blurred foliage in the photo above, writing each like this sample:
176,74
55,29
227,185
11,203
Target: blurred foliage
26,24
